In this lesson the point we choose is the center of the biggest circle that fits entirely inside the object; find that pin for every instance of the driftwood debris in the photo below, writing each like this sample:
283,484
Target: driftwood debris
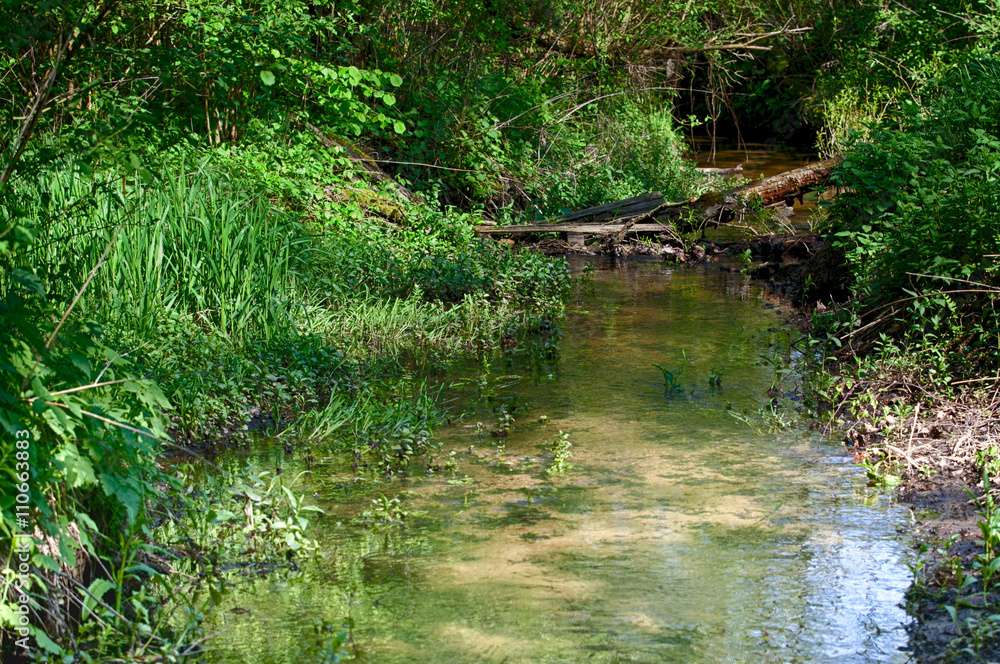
787,185
650,213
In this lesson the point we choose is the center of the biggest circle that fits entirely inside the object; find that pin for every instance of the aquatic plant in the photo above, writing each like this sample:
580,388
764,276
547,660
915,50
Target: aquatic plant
987,563
560,450
505,422
746,261
881,471
671,381
384,512
715,379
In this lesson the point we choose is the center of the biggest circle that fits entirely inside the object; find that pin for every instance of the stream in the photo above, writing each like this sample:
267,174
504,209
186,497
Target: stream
685,529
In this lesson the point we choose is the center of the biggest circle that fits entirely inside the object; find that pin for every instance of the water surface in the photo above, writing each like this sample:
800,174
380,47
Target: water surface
680,534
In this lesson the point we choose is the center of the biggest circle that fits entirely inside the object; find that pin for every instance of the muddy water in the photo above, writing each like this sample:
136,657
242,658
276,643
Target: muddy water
758,161
679,534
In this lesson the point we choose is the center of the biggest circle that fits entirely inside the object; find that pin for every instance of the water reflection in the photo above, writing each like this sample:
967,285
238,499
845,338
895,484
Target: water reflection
680,534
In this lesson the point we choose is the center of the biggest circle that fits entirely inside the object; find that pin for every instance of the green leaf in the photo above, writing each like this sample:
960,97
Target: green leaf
396,80
267,77
399,126
39,391
123,492
94,593
143,568
45,643
46,562
8,616
27,280
79,472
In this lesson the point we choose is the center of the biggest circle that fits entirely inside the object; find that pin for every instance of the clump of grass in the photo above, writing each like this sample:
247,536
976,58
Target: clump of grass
392,326
382,426
194,244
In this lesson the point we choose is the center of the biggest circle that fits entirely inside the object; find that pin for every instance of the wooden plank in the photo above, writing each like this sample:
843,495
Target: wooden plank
574,228
647,208
643,201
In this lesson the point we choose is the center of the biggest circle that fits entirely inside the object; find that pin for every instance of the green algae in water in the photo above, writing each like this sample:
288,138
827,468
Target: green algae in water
680,534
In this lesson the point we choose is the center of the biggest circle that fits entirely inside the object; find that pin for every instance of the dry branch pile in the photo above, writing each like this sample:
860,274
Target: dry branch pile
938,441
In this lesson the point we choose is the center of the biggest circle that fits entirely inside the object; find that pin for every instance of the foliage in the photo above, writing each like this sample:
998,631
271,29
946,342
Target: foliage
213,214
560,450
917,222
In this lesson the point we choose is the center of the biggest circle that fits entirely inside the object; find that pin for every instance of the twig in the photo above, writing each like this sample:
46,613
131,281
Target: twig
81,388
79,293
106,420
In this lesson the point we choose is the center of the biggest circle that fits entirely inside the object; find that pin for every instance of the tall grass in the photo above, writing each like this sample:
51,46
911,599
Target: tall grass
193,244
397,327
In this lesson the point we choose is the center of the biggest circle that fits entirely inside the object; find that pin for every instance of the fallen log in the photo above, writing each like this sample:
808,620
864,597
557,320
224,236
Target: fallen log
649,213
780,187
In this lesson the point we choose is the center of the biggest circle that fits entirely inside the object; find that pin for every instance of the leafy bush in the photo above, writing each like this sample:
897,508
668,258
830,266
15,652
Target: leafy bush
919,218
636,149
81,435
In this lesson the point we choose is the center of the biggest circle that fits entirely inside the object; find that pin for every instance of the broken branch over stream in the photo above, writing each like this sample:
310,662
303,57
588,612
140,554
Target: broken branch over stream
650,213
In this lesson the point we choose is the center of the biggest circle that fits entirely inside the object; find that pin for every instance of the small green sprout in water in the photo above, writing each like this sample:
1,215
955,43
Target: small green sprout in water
881,472
585,280
715,379
746,261
561,450
505,422
671,382
451,463
384,512
335,641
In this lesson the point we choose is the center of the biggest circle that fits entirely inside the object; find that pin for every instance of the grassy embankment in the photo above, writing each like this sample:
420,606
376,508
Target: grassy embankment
193,240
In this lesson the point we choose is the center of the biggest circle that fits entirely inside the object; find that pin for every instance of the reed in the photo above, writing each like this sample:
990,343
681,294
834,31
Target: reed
193,243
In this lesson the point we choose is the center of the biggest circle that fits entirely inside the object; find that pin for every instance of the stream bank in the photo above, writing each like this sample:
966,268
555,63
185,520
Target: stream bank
604,498
926,446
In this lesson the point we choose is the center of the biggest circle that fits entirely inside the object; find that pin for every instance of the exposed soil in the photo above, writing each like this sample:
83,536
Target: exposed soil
934,454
